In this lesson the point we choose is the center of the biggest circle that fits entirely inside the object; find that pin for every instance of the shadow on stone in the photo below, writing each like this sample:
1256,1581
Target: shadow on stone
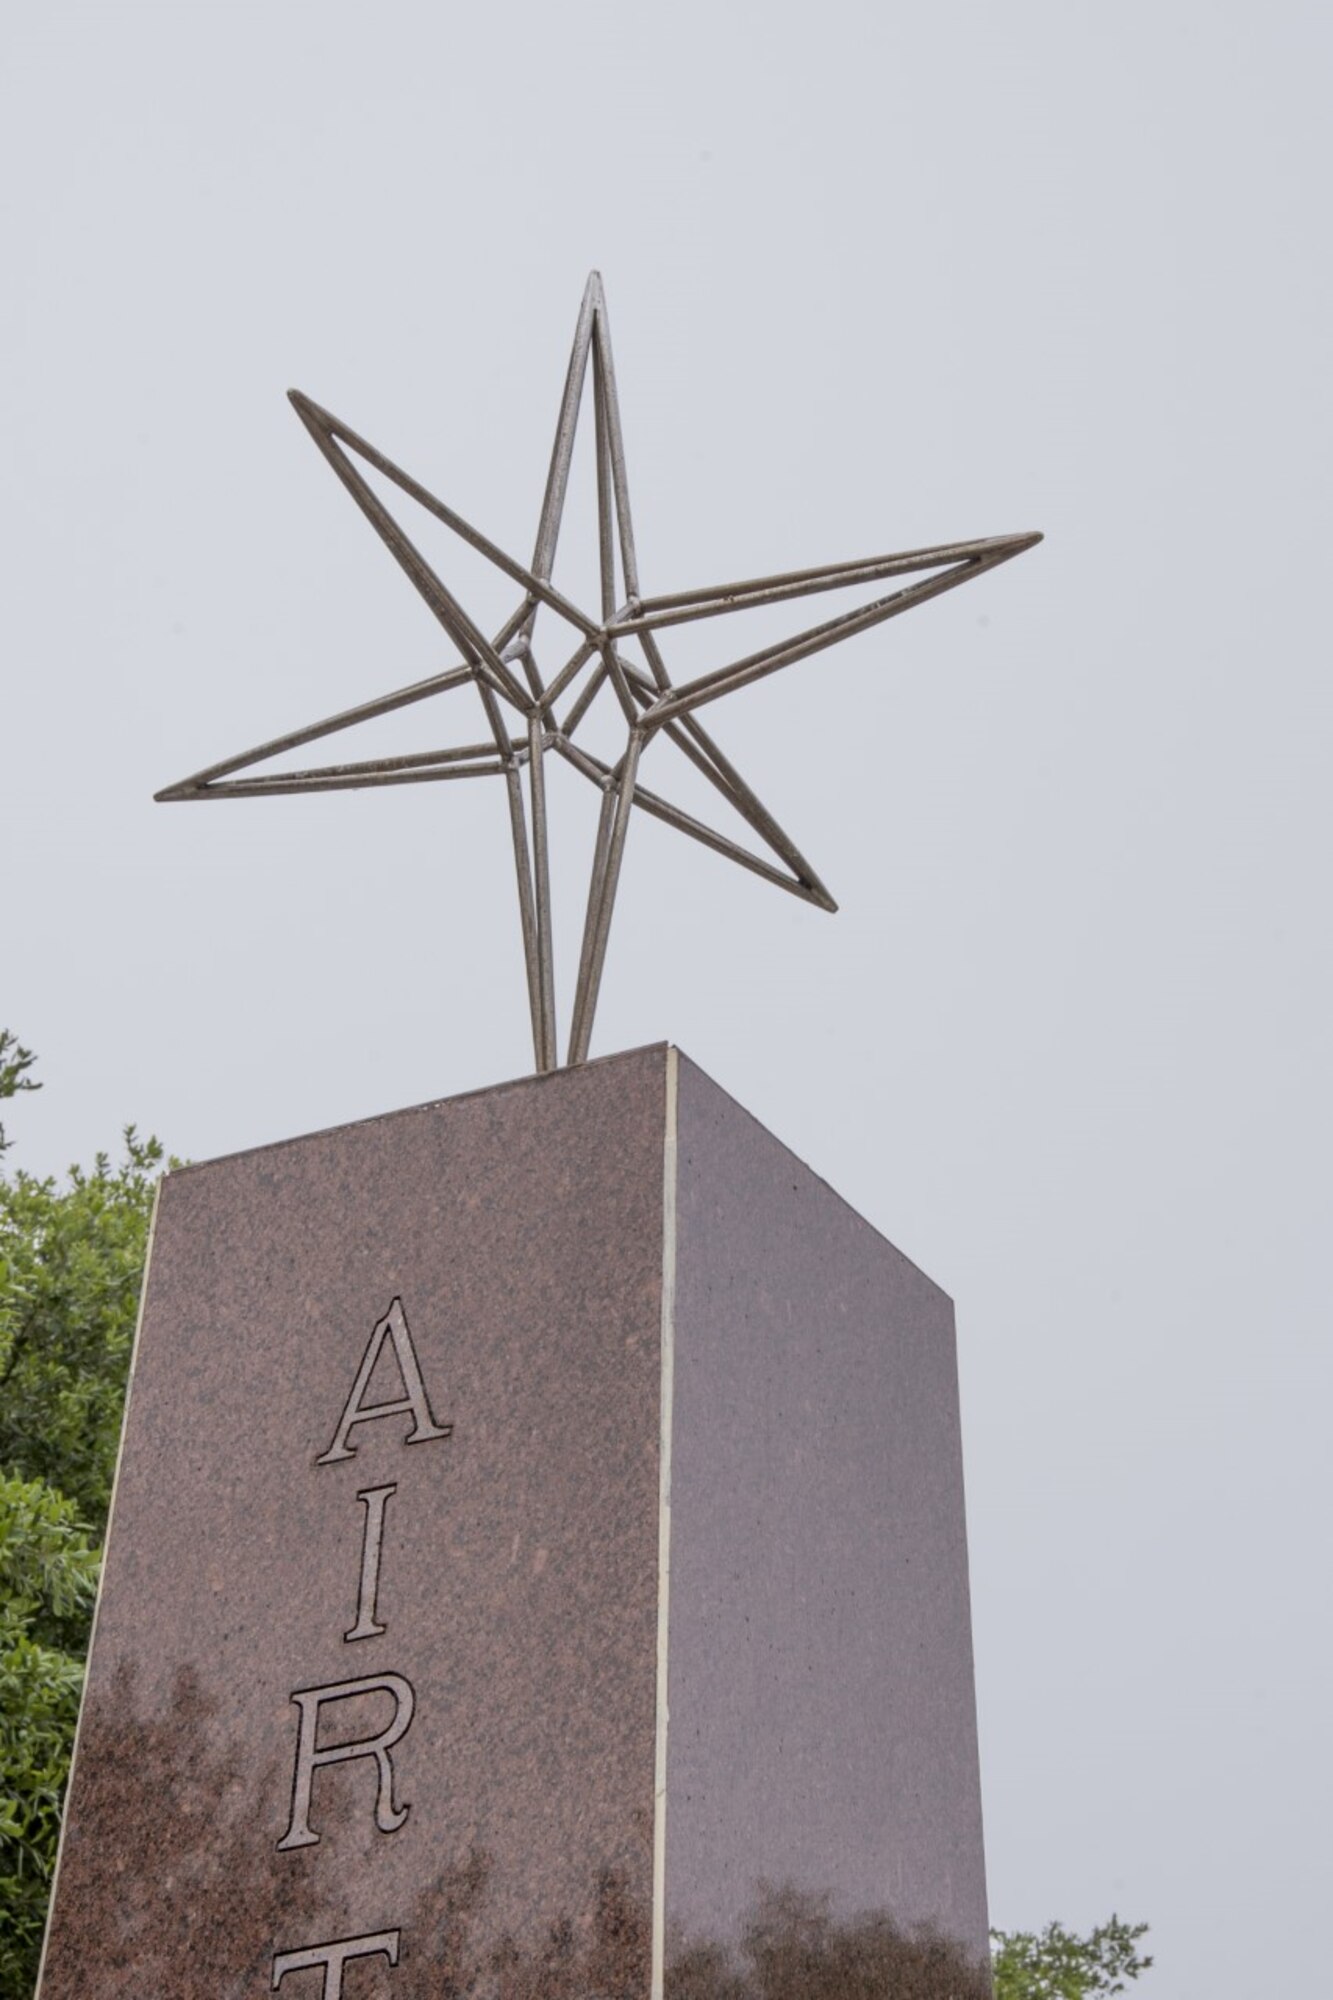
172,1812
185,1899
793,1948
446,1957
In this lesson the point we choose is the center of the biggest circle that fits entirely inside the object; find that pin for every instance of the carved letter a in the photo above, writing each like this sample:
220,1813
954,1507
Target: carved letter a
392,1327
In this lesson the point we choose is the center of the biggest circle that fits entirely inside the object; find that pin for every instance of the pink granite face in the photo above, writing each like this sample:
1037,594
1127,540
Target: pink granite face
371,1705
823,1726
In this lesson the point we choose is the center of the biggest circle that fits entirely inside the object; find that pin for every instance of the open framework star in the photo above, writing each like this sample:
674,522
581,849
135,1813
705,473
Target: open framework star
615,655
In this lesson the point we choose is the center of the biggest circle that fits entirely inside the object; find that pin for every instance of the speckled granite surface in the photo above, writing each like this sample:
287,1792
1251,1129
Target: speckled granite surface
462,1594
522,1230
823,1726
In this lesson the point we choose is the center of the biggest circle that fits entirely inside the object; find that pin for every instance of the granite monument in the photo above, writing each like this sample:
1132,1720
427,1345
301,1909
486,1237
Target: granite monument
540,1521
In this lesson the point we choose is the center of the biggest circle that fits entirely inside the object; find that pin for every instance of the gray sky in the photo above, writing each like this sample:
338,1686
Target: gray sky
879,277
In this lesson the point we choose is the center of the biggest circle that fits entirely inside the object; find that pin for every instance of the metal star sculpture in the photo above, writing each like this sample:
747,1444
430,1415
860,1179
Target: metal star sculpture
616,651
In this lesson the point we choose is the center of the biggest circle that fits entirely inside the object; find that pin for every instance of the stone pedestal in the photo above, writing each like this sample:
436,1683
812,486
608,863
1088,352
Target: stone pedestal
539,1522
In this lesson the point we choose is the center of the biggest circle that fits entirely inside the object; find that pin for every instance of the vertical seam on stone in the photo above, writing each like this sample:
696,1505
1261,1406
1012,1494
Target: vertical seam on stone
668,1338
97,1607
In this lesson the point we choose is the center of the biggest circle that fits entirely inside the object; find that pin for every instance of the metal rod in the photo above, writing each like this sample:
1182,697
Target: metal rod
520,649
590,985
331,431
327,433
518,833
256,788
593,767
722,597
610,402
688,734
516,623
491,707
591,689
606,539
542,877
571,669
363,712
562,451
596,878
652,652
417,760
618,677
725,680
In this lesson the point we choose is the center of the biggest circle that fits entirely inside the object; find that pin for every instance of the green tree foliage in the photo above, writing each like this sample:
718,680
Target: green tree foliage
71,1264
1055,1964
15,1062
48,1574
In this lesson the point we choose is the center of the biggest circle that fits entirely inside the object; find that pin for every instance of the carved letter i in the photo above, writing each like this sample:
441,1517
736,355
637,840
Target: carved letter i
376,1499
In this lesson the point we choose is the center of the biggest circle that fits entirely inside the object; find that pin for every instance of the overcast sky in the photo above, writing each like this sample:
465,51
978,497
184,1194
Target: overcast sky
879,276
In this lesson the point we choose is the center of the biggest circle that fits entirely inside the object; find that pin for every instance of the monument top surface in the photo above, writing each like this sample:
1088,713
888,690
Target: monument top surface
622,1065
